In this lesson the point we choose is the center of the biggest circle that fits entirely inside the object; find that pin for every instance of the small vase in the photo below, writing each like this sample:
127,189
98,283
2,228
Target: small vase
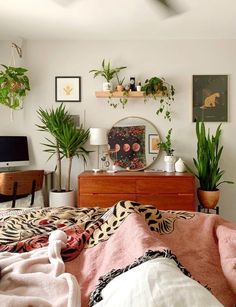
179,166
107,86
169,164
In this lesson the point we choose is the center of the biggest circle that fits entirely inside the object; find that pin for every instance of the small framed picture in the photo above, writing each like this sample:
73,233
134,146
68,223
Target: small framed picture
68,89
153,143
210,98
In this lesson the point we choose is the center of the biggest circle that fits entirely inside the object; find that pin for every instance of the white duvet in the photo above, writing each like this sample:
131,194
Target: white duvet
157,282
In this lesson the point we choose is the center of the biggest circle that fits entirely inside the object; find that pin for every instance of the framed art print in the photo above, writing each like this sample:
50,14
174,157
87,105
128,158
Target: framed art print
68,89
153,143
210,98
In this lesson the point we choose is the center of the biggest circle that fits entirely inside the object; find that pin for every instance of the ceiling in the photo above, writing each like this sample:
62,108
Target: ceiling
116,19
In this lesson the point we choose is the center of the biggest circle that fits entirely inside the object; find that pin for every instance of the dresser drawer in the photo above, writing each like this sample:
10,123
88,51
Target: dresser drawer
111,185
165,185
103,200
168,201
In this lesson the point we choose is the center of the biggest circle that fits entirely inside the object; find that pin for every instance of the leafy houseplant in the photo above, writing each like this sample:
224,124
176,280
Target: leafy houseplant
206,164
68,140
14,85
108,73
169,158
157,87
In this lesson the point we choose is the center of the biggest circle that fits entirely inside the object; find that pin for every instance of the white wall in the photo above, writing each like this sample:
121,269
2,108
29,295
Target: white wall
176,60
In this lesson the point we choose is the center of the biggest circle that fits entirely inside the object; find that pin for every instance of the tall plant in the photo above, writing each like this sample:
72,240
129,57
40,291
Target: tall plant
209,153
107,72
67,140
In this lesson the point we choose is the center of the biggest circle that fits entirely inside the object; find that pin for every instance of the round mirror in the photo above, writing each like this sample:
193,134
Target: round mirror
133,143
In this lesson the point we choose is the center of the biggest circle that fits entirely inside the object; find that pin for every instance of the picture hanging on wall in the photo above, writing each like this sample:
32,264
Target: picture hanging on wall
153,143
210,98
67,89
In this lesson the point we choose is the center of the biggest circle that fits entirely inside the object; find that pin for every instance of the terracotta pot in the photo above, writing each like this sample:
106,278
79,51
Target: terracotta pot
208,199
119,88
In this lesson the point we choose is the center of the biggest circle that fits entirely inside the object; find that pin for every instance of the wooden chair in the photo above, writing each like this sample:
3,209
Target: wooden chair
20,184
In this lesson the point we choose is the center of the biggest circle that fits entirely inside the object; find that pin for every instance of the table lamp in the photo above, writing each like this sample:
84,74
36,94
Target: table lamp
98,137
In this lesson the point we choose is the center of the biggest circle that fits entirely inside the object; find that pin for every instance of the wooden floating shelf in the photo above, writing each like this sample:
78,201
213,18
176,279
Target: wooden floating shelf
118,94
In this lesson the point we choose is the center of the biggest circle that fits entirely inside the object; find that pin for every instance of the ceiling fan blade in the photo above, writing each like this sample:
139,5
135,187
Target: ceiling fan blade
170,7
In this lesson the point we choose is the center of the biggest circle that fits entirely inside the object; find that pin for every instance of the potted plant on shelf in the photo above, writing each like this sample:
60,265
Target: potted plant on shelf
158,88
67,142
207,167
14,85
169,158
108,73
119,86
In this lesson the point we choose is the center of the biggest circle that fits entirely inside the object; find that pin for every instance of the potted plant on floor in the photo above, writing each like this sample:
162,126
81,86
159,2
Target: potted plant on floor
169,158
14,85
158,88
207,167
108,73
67,142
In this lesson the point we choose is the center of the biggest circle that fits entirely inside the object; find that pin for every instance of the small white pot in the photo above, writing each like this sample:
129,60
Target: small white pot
107,86
169,164
62,199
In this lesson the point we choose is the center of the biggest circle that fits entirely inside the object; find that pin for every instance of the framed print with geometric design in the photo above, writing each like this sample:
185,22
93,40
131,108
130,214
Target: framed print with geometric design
210,98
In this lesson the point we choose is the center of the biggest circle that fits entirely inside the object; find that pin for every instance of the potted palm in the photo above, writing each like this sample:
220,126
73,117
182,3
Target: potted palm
156,87
14,85
67,142
207,167
169,157
108,73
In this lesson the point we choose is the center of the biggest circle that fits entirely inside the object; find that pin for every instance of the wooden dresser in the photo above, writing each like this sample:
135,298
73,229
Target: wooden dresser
164,190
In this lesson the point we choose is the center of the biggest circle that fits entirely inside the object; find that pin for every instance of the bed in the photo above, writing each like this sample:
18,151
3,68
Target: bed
127,255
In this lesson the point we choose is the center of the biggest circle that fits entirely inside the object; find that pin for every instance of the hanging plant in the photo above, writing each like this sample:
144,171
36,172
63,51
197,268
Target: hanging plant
14,85
158,88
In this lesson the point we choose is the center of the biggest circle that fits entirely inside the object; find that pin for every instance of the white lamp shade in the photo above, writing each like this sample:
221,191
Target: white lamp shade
98,136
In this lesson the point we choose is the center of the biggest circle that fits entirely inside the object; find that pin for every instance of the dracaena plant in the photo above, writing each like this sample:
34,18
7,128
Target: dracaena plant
14,85
209,152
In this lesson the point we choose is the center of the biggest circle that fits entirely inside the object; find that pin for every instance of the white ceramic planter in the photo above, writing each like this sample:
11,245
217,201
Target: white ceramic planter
107,86
62,199
169,164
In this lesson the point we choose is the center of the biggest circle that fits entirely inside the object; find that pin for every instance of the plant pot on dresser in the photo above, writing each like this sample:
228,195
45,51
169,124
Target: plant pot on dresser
166,191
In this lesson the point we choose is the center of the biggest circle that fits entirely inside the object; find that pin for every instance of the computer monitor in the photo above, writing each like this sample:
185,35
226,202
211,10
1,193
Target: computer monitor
13,151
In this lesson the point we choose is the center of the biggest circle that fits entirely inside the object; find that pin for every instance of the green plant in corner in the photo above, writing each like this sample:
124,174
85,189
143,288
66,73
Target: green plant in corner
167,146
14,85
67,140
209,152
158,88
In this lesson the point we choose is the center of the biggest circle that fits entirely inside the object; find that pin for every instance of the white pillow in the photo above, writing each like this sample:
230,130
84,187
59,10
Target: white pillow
158,282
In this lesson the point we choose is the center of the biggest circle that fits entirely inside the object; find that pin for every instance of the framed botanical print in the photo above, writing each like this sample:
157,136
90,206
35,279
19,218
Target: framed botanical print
153,143
210,98
68,89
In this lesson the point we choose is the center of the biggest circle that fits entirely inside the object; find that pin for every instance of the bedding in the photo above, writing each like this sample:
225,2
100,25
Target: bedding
101,241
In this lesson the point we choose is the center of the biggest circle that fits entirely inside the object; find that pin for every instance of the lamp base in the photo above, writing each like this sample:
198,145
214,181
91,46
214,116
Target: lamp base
97,170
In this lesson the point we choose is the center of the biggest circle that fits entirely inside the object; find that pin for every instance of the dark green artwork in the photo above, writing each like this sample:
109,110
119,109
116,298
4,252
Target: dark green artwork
210,98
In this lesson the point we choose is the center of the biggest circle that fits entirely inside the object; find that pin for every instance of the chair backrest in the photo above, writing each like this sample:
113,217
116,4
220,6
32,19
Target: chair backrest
21,183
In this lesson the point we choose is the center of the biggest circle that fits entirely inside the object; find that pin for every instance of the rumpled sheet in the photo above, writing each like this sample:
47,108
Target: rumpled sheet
38,278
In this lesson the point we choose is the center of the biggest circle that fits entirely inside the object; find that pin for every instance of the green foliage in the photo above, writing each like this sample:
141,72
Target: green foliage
157,87
68,140
107,71
13,86
166,146
119,81
209,153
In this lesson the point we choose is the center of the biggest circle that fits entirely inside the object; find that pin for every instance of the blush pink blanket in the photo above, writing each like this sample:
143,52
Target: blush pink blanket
204,244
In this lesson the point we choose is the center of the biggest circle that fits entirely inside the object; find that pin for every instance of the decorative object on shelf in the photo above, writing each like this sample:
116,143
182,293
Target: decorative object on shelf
169,159
68,142
14,85
128,143
68,89
119,86
210,98
207,167
179,166
139,86
98,137
108,73
153,143
132,84
157,87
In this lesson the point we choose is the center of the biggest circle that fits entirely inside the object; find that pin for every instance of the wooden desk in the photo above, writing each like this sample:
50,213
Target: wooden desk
166,191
